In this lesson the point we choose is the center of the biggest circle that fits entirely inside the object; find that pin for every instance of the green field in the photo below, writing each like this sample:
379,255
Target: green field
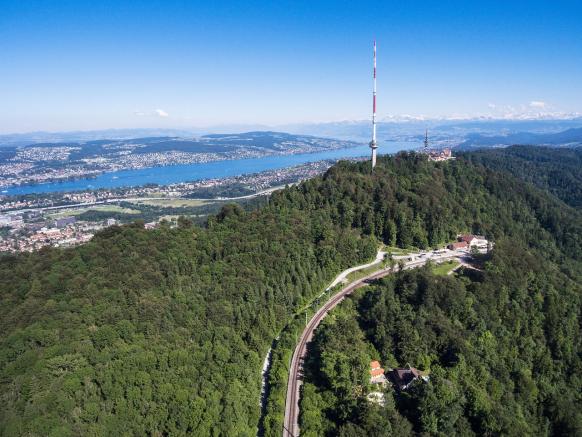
444,268
399,250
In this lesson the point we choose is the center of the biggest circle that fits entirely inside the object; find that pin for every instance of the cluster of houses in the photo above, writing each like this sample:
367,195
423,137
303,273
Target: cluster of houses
468,241
62,232
59,237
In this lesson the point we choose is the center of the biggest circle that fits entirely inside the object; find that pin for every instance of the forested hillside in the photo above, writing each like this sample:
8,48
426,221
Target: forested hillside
163,332
158,332
501,350
558,170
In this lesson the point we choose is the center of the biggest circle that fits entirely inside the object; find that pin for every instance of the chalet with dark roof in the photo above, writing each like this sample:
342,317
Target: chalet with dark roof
402,378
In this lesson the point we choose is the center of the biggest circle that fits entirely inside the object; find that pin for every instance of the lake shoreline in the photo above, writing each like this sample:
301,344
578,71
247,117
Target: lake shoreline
180,173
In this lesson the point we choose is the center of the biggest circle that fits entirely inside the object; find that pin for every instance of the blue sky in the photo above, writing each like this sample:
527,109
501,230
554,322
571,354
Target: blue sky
68,65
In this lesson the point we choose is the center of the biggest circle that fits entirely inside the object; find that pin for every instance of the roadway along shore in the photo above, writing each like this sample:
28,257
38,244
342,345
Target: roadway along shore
290,424
266,192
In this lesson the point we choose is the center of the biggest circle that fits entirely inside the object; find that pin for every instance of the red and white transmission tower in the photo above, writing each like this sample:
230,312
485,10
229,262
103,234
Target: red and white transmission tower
373,144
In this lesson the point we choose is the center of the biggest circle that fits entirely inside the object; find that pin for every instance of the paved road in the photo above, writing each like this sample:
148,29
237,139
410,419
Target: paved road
137,199
290,425
343,275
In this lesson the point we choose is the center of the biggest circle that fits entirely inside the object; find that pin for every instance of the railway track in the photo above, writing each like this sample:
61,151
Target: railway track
291,421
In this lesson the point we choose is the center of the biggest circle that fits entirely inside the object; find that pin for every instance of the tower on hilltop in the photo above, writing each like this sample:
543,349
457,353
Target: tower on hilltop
373,143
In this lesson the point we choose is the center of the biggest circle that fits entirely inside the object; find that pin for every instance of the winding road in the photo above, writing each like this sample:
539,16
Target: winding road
291,422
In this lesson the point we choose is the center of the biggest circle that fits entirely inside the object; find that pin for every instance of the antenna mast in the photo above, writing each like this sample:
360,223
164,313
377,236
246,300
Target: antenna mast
373,144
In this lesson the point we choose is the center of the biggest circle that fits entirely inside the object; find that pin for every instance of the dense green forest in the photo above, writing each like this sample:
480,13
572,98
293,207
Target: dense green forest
558,170
164,332
158,332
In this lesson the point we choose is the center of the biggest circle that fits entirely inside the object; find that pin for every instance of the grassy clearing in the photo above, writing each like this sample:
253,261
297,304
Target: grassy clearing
399,250
78,211
444,268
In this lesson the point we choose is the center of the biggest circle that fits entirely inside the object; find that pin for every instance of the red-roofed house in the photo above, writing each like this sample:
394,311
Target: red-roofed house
458,245
467,238
473,240
377,373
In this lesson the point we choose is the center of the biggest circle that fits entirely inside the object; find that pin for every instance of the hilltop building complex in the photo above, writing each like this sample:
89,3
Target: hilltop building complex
436,154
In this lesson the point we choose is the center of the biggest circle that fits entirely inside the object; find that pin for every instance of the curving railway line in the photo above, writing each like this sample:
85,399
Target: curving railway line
291,421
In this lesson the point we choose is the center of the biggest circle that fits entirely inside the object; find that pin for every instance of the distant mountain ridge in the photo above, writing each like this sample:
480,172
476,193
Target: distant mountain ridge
441,129
23,139
41,162
570,137
389,129
210,143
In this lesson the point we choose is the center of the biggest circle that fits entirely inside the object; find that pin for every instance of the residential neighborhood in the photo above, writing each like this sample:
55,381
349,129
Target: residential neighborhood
28,223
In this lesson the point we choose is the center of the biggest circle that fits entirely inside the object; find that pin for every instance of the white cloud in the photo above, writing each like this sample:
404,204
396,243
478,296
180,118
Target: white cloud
537,104
491,105
156,113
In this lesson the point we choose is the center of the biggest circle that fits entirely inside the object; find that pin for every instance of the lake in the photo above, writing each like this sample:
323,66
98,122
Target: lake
210,170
